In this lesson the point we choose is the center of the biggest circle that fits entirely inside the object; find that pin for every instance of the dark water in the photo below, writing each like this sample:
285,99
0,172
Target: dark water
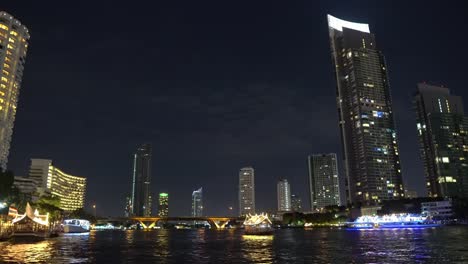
441,245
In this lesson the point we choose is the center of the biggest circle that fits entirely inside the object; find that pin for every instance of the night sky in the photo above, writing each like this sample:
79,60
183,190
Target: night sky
214,86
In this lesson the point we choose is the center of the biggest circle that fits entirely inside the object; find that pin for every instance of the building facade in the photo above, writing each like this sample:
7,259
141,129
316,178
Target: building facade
368,134
283,190
443,139
197,202
324,184
163,206
246,191
13,47
141,183
296,203
437,210
69,188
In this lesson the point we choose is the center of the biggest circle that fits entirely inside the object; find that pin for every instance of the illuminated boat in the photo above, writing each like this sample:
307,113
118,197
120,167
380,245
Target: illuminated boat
31,225
75,226
258,224
391,221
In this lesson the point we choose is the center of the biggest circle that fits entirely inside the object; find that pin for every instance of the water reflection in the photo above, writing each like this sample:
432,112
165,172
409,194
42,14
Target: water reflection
258,249
27,252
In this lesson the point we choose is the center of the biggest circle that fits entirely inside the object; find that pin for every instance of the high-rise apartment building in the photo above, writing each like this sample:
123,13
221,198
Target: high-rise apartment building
13,47
443,137
324,186
246,191
163,208
296,203
141,196
283,191
367,127
197,202
69,188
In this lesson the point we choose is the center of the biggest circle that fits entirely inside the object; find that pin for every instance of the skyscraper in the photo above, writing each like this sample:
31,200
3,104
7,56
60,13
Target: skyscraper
13,46
197,202
246,191
296,203
368,133
323,181
141,196
283,195
443,136
69,188
163,208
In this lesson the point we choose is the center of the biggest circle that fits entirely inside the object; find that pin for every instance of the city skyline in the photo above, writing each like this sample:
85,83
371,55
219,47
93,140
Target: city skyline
101,136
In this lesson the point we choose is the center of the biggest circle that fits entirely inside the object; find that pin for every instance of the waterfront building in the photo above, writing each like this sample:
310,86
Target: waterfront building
13,47
296,203
368,134
283,190
197,202
141,196
25,185
246,191
443,138
163,209
324,187
437,210
69,188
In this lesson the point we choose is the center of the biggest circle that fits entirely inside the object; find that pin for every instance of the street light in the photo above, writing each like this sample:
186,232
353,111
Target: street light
94,207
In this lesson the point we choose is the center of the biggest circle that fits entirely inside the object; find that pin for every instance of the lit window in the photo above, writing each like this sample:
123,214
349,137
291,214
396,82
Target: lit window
445,160
2,26
14,33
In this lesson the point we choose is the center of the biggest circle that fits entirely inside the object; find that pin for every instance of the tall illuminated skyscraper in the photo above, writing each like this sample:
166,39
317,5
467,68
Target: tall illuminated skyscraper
367,127
13,46
197,202
69,188
246,191
443,138
324,185
141,196
163,207
283,190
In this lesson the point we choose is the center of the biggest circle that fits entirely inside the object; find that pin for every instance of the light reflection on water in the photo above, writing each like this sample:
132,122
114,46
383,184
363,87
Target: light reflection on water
441,245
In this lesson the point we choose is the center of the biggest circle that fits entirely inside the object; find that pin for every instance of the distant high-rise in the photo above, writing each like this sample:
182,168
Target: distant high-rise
13,47
443,137
246,191
69,188
197,202
128,206
368,133
296,203
323,181
141,196
283,195
163,208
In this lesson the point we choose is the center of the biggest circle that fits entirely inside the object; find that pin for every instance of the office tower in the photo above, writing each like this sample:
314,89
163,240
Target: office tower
13,46
69,188
283,191
368,134
197,202
163,209
246,191
296,203
443,137
128,206
323,181
141,204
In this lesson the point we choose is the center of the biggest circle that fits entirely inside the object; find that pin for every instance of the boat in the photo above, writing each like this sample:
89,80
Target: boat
30,226
392,221
75,226
258,224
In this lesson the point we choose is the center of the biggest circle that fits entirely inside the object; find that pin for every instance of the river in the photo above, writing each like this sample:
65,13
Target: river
433,245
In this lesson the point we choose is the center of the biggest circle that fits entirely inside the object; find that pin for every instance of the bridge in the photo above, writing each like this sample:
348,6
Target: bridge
219,222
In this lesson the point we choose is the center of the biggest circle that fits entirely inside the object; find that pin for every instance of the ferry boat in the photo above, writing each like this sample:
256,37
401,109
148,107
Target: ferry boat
258,224
75,226
30,226
392,221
